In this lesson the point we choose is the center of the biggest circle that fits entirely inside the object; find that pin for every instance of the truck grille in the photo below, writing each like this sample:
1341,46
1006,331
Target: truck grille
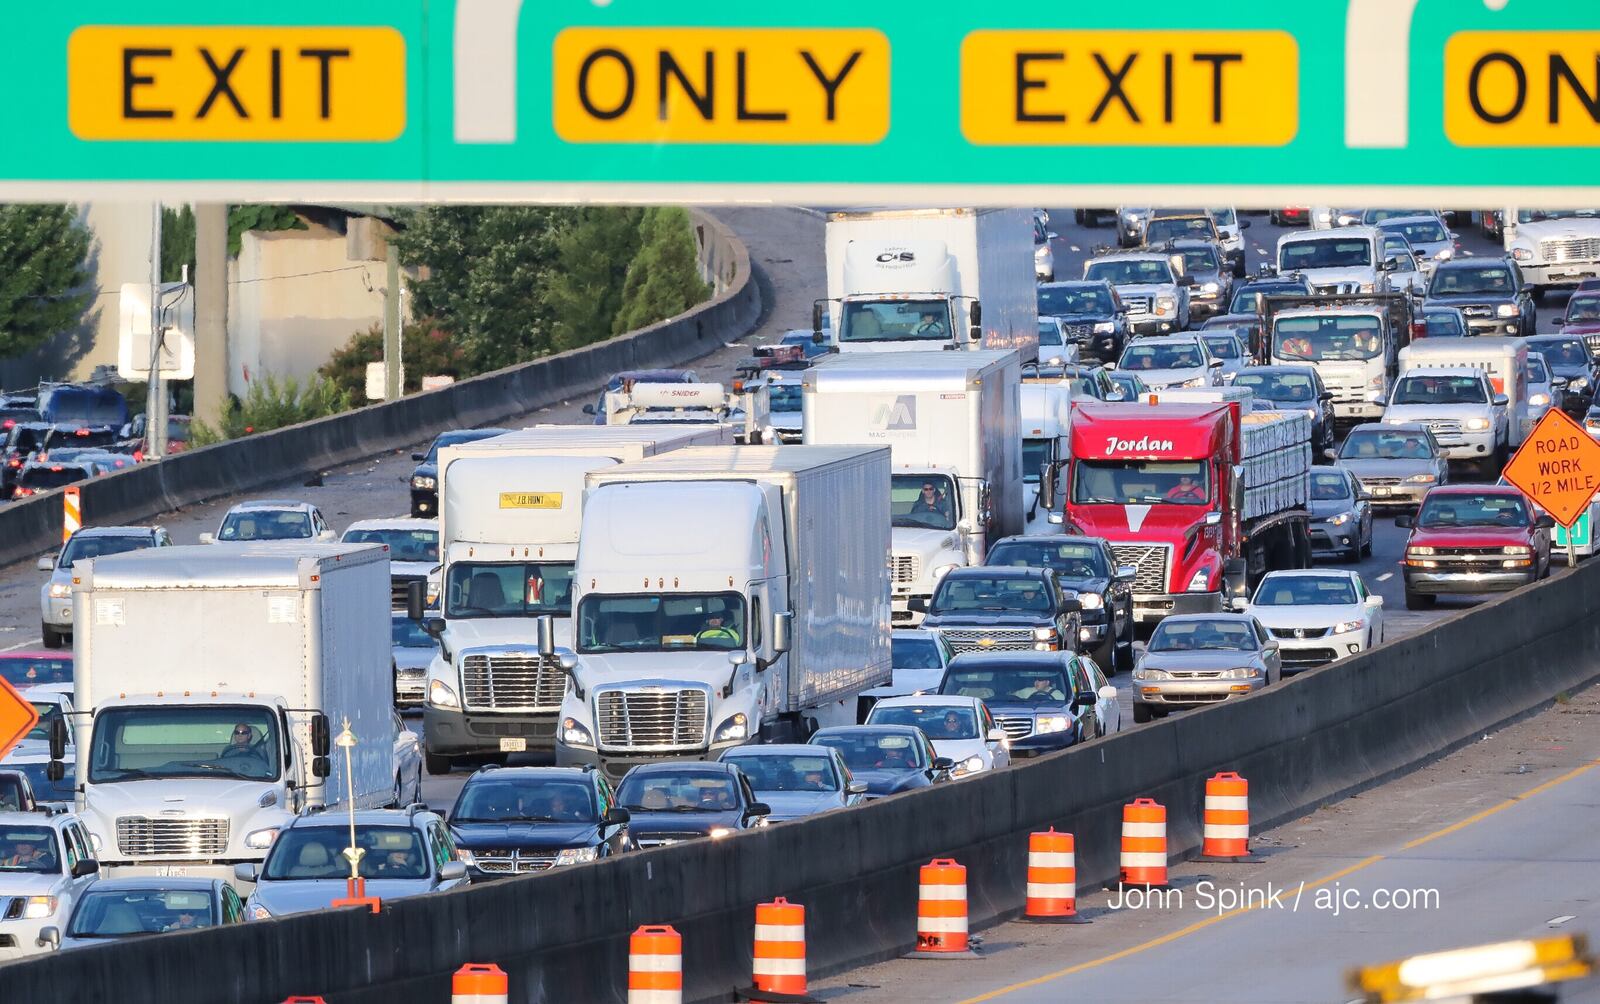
1151,562
905,567
1477,310
1137,306
1000,640
1593,341
651,720
1338,287
1444,428
510,861
143,837
399,586
1564,249
512,682
1386,482
1078,332
1015,726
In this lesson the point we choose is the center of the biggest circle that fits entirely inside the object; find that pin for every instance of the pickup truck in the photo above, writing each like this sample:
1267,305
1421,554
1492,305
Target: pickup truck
1473,539
1003,609
1151,285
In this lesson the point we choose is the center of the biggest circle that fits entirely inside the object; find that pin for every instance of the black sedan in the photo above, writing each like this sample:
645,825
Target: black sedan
675,801
1090,313
513,820
425,479
1105,591
1568,356
888,759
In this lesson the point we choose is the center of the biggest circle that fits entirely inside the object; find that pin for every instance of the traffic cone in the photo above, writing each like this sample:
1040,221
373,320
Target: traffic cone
1052,879
779,959
1144,843
479,983
655,966
942,911
1226,820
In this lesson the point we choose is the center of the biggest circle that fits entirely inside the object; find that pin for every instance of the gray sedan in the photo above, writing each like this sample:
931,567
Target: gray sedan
1198,659
1395,464
797,779
1341,515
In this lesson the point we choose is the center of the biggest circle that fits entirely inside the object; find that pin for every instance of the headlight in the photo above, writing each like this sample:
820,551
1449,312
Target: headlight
1198,381
1165,303
1477,424
1348,626
1210,287
1201,581
718,832
1105,327
39,907
576,855
466,857
1376,383
1445,255
1516,549
1051,723
1539,400
1243,673
734,729
1366,287
425,482
60,590
1091,601
1150,674
1325,217
1522,254
574,734
1339,520
1419,552
1131,217
942,571
1044,633
1507,310
433,594
261,839
259,912
970,765
441,696
1421,479
1577,383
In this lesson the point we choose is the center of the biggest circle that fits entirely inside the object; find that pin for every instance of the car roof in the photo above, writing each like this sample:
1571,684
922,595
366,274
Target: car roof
1441,371
674,766
154,882
364,817
115,531
1186,243
833,730
1417,218
930,700
257,504
1309,573
36,653
1473,262
1365,232
1477,490
54,820
533,773
912,633
1187,337
1049,539
995,572
1132,256
1375,309
778,749
1552,337
1055,659
1193,618
394,523
1389,427
1072,283
1299,368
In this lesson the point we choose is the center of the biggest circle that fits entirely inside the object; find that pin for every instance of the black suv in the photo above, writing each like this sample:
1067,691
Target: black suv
1105,591
1003,609
1212,294
1090,313
514,820
425,479
1291,387
1489,292
675,801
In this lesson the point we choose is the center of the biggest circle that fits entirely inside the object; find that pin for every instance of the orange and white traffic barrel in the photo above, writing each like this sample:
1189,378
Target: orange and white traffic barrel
71,513
479,983
779,959
942,909
1144,843
655,966
1226,829
1052,878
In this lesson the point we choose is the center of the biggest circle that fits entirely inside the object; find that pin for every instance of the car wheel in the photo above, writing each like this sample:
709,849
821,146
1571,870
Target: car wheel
437,765
52,639
1366,545
1106,654
1122,660
1141,713
1420,601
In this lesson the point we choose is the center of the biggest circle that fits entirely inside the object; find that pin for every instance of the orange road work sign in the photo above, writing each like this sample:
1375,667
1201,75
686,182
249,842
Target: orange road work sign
1558,467
17,717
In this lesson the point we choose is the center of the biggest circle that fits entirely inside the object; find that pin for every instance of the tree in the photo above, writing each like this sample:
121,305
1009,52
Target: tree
259,217
586,293
664,277
428,351
271,403
177,242
43,275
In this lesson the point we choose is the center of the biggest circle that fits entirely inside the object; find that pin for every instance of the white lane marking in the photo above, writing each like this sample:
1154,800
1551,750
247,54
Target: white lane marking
1377,73
1558,921
1386,576
22,644
486,71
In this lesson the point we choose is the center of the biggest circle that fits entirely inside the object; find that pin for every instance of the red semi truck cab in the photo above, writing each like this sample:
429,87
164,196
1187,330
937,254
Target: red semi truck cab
1200,499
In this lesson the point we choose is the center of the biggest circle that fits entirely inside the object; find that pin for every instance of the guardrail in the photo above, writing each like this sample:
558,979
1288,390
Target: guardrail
563,935
33,525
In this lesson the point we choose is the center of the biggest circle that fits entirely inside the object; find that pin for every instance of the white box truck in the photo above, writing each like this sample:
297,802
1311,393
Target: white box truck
1466,424
902,279
508,521
207,682
725,596
952,423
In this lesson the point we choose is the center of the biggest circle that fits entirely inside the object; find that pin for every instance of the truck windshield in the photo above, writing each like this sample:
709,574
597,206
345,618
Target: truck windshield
317,852
1035,453
1443,511
404,545
29,849
1358,336
81,547
991,593
138,743
1332,252
1490,280
923,503
1126,272
1056,301
783,397
523,589
1141,482
642,623
1535,215
1439,390
895,321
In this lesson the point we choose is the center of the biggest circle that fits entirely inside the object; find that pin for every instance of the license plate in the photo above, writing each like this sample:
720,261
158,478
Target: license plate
1381,491
513,745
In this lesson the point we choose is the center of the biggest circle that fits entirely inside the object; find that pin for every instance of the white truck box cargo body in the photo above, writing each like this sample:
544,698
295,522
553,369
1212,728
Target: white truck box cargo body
1503,360
838,575
981,254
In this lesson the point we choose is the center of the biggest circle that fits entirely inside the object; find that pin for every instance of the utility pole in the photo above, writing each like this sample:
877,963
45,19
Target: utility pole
210,312
392,362
155,405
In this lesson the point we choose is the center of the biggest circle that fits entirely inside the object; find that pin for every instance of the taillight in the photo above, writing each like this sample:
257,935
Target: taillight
81,432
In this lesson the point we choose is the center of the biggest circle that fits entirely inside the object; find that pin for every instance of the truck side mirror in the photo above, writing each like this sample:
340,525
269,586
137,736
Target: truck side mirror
434,626
58,738
1047,485
47,563
976,313
816,321
1501,400
545,628
1083,700
55,770
1244,224
1127,572
419,457
321,741
1404,521
320,767
616,816
85,867
782,631
1546,521
416,598
247,871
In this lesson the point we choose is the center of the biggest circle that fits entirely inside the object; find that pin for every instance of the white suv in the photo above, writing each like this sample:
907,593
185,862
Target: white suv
55,596
46,862
271,520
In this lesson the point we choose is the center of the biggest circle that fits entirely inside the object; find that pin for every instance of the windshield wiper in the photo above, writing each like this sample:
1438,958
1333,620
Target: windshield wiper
1097,500
217,768
130,774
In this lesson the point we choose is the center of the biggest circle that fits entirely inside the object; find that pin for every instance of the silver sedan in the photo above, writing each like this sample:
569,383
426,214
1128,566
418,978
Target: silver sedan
1395,464
1198,659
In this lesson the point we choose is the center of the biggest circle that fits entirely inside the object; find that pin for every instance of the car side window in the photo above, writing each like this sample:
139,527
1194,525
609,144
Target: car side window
443,850
1261,632
84,840
232,909
1097,679
1079,678
602,795
74,850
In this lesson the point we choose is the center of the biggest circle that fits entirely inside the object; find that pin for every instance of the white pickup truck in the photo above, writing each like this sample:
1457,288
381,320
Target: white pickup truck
1555,248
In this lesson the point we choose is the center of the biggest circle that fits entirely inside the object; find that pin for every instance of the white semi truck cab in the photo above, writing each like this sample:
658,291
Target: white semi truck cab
1046,416
207,683
1555,248
725,596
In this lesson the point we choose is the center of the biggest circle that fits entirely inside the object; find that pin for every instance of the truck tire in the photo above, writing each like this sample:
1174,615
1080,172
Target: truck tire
1141,713
1420,601
52,639
437,765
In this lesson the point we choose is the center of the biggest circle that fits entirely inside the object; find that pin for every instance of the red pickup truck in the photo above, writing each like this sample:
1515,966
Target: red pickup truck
1473,539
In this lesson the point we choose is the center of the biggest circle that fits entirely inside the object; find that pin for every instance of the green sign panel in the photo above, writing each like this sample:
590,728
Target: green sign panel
1438,101
1581,534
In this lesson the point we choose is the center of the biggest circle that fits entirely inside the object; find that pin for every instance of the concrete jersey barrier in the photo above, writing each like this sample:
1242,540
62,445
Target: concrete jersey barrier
33,525
563,935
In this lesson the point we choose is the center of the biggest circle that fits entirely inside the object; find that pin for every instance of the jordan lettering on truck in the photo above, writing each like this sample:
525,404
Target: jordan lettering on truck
1144,444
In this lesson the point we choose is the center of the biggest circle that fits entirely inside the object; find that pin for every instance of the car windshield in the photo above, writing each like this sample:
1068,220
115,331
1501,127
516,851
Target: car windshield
29,849
1049,334
1379,215
1583,308
1472,280
651,623
936,723
1306,590
1248,299
1166,356
1141,482
521,589
999,595
1224,217
1420,231
1007,683
1200,260
407,633
1329,486
1439,390
1536,369
1344,336
501,799
895,320
83,546
922,502
1443,511
27,670
404,545
1034,454
1172,228
1444,324
1203,636
1224,346
134,743
1059,300
682,791
48,712
1380,444
1291,388
306,853
1130,272
1562,352
1075,561
1329,252
266,524
871,749
914,652
455,439
786,771
128,913
783,397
